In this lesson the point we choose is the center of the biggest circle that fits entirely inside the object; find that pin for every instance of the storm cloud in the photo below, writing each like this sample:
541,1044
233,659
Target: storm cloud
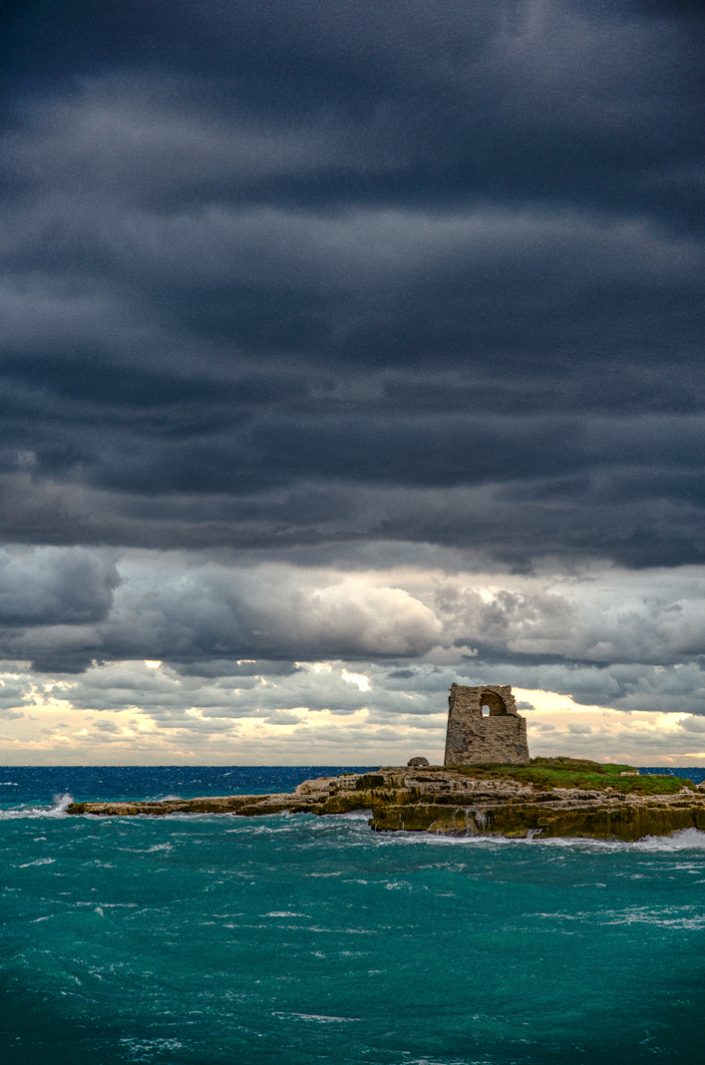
296,297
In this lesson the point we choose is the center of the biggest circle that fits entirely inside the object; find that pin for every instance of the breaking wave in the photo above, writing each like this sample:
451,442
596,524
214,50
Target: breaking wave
58,809
684,840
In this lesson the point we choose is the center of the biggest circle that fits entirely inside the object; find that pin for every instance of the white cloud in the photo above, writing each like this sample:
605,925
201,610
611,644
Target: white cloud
205,647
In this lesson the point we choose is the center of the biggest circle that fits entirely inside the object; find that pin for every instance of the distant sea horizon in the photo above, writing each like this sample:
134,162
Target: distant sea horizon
39,783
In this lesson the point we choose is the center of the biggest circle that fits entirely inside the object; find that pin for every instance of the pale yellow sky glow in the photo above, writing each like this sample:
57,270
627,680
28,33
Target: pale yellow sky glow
50,729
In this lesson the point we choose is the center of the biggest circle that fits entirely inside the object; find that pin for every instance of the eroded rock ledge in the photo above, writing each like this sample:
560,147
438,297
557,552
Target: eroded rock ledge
549,797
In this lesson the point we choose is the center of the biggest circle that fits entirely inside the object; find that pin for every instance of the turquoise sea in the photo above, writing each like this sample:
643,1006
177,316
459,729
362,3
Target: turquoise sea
299,940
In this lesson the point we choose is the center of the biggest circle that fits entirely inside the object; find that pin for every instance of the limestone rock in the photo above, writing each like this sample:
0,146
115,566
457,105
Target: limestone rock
547,798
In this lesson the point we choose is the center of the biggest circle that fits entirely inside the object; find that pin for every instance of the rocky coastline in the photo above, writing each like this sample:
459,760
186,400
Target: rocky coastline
547,798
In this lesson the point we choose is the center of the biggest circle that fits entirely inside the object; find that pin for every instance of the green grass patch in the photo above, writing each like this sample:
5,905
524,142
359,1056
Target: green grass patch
548,773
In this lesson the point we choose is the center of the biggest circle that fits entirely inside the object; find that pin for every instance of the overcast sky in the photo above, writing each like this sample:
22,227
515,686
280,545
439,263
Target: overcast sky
350,349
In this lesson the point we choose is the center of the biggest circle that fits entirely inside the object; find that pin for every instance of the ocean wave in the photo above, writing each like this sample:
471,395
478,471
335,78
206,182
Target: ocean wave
61,804
676,917
318,1018
284,913
154,849
687,839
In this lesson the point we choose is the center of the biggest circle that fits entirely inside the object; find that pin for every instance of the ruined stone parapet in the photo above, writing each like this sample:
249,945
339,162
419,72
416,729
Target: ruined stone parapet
484,726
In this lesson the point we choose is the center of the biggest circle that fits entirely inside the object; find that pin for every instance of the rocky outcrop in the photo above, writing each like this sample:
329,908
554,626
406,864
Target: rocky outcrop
462,803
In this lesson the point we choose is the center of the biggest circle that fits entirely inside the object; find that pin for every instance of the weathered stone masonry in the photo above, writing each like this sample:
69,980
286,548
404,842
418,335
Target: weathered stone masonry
475,736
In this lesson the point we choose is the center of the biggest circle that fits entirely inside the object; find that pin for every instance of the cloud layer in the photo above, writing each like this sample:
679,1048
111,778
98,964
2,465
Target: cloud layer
368,339
629,641
459,266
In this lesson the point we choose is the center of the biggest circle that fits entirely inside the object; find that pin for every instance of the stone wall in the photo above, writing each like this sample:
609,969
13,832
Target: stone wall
475,739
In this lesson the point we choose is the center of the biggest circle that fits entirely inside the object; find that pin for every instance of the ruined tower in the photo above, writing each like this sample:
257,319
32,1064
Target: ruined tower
484,726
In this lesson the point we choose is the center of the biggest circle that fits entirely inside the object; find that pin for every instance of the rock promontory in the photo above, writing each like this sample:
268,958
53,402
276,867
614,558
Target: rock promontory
547,797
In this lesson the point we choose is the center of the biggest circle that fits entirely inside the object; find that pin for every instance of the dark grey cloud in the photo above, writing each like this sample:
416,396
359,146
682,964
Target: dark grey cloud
55,587
353,289
249,247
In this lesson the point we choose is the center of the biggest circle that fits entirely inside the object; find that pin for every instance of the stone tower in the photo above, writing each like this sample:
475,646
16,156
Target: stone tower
485,726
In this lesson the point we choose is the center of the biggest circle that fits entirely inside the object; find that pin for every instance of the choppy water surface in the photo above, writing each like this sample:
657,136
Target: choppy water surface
294,939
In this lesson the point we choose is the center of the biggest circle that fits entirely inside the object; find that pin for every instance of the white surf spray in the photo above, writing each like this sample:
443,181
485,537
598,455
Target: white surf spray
687,839
58,809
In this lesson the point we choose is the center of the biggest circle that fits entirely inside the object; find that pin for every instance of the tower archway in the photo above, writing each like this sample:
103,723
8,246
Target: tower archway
492,704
